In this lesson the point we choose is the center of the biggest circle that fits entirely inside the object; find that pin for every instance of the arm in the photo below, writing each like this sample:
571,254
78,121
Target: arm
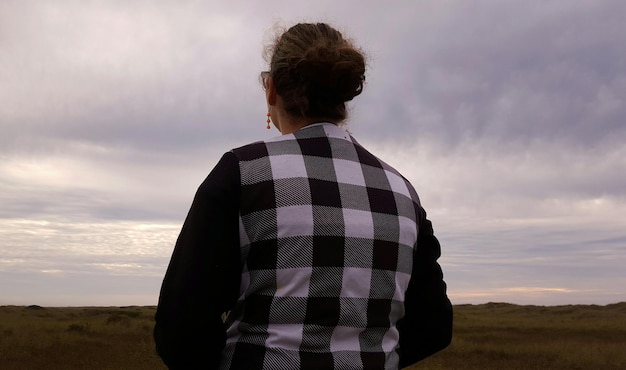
427,325
202,279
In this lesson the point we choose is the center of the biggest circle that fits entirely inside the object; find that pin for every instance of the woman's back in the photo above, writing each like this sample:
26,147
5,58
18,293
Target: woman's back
328,234
320,253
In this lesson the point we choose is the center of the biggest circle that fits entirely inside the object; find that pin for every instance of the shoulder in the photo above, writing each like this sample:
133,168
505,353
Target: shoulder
278,145
251,151
397,180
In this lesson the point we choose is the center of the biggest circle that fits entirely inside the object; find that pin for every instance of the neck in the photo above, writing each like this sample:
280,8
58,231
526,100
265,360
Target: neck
289,124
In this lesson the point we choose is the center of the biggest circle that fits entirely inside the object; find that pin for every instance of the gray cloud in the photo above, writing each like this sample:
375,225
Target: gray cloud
508,117
510,72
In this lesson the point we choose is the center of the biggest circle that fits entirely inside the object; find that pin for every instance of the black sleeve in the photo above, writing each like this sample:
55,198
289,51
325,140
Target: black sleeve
427,325
202,279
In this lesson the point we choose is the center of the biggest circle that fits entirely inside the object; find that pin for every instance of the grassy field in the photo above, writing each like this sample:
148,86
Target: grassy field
512,337
487,336
71,338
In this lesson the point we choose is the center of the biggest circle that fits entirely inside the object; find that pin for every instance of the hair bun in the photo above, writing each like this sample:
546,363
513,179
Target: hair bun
333,75
316,70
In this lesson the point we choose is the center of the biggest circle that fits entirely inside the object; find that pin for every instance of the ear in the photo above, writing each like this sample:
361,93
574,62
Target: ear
270,92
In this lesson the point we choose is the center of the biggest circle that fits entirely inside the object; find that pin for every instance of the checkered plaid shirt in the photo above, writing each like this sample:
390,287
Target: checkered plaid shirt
327,235
319,251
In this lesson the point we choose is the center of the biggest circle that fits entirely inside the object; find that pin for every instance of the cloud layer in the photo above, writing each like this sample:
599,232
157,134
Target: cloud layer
508,117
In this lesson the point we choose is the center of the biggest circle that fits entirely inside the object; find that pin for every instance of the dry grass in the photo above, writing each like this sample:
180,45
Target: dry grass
92,338
488,336
512,337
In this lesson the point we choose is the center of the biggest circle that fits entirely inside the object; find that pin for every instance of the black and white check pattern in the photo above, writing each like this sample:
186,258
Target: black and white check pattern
327,237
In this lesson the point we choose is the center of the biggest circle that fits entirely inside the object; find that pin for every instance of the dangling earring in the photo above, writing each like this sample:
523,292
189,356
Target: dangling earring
268,120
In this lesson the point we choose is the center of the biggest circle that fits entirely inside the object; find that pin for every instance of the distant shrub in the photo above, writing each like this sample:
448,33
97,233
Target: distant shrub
133,314
78,328
119,320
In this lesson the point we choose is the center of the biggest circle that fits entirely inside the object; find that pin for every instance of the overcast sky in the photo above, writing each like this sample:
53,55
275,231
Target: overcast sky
507,116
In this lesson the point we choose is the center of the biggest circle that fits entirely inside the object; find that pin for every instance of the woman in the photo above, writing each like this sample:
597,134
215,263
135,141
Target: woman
319,253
